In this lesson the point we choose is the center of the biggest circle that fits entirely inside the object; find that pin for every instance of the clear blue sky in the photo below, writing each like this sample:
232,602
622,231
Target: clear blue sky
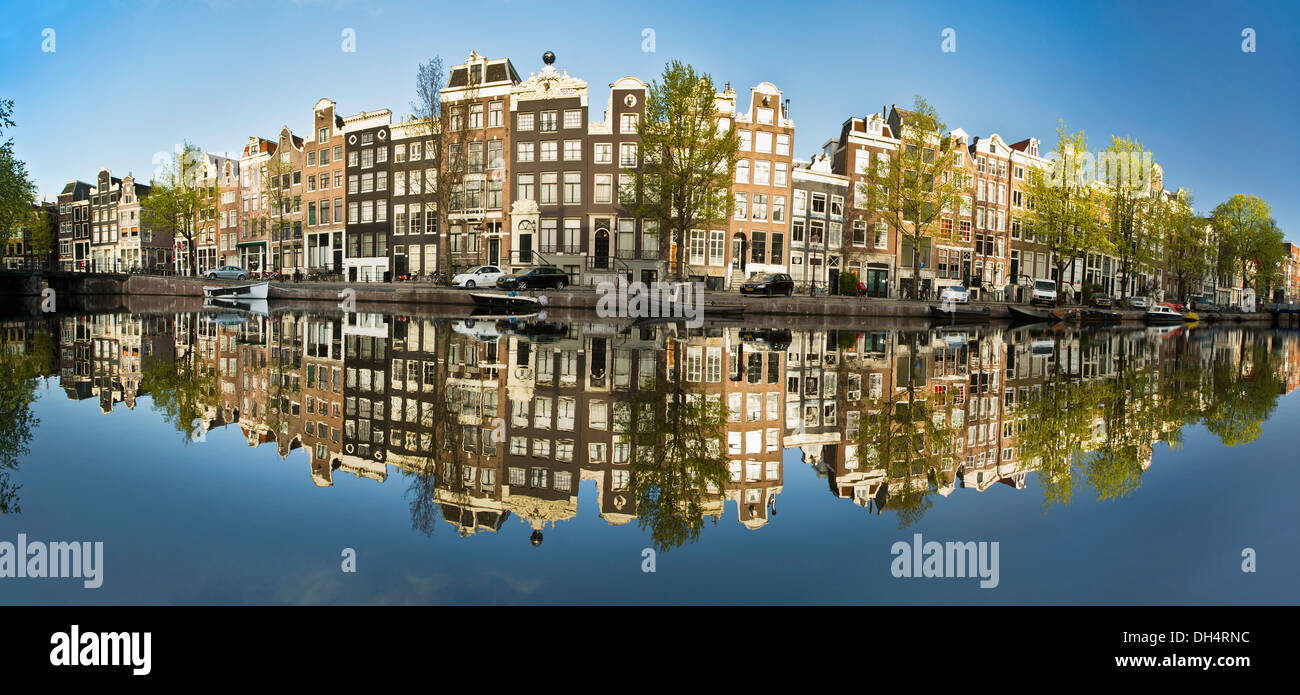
128,80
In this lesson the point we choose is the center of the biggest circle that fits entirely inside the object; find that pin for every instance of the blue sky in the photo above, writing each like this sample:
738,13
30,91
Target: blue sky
128,80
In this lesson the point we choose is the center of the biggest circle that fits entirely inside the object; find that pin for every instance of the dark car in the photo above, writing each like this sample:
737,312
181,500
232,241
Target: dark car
535,278
1102,300
768,284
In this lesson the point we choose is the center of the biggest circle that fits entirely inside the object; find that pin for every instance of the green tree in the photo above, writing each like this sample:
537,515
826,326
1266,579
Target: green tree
919,184
1126,170
17,191
688,162
39,236
280,201
180,199
1065,210
1182,234
1248,236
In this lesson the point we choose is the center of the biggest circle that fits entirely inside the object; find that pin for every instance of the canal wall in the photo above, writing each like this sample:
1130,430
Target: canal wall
152,293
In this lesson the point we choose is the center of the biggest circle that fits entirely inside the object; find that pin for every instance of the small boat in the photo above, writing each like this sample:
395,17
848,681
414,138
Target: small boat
1191,317
959,314
1163,315
1035,315
506,301
256,290
1099,316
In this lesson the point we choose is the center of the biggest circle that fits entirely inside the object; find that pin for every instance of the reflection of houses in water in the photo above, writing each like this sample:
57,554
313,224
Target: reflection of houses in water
365,394
510,417
753,388
102,356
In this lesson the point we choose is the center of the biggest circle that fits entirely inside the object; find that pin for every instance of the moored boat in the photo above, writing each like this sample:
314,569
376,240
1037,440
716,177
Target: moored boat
1099,316
506,301
256,290
1019,313
1163,315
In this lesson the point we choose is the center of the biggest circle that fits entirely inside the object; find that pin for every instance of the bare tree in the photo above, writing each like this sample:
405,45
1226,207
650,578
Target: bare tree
447,127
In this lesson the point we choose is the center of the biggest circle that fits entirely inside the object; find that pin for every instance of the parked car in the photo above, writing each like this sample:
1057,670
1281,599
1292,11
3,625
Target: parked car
482,276
1139,303
227,272
768,284
955,293
1102,300
535,278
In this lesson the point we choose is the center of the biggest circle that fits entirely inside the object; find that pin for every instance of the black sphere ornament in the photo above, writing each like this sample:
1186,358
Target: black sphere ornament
548,58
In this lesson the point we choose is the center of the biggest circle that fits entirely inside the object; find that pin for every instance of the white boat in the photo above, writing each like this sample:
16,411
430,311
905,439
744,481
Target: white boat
256,290
1161,314
509,302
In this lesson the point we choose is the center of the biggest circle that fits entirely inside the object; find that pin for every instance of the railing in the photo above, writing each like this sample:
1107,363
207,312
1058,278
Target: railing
610,264
528,258
569,249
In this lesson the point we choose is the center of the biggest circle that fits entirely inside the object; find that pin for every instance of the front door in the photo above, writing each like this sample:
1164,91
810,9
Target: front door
602,249
494,251
525,248
738,253
877,283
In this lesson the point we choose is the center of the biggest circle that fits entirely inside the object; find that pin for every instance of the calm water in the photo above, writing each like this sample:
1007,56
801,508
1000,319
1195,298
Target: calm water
234,459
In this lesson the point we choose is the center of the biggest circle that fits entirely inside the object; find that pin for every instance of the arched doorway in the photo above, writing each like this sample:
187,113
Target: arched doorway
739,248
601,251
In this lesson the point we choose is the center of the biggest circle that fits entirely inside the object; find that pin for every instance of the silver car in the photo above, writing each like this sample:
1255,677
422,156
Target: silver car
227,272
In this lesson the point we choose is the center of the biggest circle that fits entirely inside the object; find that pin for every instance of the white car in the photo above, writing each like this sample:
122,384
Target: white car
482,276
956,294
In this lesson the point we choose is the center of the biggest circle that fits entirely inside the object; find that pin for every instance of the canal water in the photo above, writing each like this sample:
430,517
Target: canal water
323,458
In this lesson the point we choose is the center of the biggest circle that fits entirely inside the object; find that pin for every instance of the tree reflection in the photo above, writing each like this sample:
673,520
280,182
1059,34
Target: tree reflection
19,376
676,458
908,437
1056,433
184,389
1244,394
441,456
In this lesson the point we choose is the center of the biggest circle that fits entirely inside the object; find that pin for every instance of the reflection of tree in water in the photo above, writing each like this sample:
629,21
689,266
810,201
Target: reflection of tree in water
19,376
676,458
1244,394
910,438
446,438
1057,431
1107,428
184,388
